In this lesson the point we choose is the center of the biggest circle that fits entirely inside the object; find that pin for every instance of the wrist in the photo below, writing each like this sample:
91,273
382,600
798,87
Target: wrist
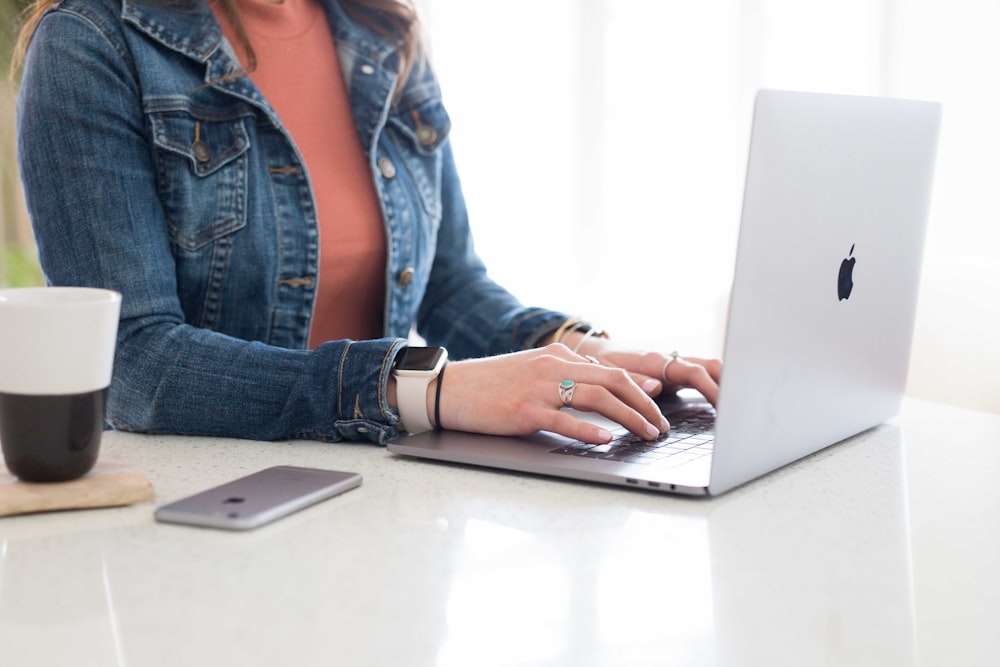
434,411
576,335
413,385
431,399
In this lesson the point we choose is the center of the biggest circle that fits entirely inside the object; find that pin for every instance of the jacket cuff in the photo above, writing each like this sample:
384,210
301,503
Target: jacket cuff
361,406
534,326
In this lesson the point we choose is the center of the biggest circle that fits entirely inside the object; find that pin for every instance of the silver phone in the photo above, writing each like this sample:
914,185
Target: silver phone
259,498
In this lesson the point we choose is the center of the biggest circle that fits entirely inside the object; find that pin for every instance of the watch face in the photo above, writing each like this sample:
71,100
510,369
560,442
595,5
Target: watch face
419,358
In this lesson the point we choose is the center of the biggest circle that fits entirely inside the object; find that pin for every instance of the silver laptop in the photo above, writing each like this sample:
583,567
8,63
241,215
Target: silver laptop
821,311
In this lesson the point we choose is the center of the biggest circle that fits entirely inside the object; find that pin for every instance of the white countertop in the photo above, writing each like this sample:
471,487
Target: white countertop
873,552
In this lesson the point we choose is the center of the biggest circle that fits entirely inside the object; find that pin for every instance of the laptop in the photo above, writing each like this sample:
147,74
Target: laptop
821,311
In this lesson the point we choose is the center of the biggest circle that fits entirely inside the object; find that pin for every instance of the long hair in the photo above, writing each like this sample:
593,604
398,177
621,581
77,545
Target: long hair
396,20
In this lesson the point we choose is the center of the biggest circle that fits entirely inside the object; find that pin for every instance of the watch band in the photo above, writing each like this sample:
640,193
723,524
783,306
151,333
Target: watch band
414,369
411,399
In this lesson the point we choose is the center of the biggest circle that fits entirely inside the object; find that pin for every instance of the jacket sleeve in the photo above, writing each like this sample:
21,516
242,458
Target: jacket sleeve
89,179
463,309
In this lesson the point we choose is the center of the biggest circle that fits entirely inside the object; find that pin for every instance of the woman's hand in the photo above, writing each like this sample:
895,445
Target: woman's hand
652,371
518,394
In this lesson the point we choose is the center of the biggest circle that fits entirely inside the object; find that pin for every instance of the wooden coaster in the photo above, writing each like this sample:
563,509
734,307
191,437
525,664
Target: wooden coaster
109,484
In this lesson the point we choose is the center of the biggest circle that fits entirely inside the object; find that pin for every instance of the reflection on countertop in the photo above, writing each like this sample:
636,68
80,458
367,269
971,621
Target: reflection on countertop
437,564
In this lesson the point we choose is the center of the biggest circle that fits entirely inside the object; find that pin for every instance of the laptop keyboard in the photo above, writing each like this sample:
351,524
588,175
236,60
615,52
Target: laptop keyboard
691,436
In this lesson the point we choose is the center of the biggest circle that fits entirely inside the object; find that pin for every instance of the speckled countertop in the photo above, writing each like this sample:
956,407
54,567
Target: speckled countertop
872,552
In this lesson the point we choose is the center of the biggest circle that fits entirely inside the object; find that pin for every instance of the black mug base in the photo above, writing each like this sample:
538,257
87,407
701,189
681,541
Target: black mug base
51,438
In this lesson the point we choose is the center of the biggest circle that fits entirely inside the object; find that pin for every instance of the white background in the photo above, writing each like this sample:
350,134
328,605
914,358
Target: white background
602,146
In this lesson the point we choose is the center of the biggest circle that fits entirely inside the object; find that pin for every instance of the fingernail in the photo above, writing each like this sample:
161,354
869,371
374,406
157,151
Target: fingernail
604,435
652,431
650,385
664,425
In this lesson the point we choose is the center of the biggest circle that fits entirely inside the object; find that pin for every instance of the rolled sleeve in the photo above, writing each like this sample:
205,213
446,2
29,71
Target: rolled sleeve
361,413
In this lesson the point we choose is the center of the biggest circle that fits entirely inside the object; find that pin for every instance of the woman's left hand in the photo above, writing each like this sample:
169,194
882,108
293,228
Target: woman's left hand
656,372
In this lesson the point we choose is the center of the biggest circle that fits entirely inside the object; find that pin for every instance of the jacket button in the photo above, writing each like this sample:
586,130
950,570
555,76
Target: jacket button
386,166
405,277
426,135
202,153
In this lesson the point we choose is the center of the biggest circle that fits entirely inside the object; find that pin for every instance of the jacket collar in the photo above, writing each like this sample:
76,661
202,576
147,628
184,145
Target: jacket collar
186,26
189,27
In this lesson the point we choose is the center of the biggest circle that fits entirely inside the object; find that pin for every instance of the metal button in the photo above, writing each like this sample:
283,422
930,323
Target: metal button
386,166
405,277
202,153
426,135
367,69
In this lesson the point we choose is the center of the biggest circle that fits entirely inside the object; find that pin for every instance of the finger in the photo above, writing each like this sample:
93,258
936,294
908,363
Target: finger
641,364
644,367
651,385
619,382
564,423
685,373
594,398
713,366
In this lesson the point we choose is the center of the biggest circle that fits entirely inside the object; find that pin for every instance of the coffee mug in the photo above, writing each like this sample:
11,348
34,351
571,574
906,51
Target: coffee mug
57,348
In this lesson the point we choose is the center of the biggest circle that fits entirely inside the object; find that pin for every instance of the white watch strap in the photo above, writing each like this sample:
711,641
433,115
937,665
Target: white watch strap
411,398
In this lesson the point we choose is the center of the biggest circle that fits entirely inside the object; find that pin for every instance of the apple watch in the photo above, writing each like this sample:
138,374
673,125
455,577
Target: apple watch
414,369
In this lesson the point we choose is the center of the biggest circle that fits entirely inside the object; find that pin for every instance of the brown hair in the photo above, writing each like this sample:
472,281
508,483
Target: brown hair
395,20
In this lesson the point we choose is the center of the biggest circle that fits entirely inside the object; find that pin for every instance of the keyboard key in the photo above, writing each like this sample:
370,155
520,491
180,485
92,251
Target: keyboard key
691,436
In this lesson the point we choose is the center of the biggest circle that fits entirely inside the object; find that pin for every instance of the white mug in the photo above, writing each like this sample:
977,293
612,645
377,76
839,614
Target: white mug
57,348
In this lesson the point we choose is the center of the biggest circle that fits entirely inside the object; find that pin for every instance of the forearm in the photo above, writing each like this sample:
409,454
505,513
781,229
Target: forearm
179,379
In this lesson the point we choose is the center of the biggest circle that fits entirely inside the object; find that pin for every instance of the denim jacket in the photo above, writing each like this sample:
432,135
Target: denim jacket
148,172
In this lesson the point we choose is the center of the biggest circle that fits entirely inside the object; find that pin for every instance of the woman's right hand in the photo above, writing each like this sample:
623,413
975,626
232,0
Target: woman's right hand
518,394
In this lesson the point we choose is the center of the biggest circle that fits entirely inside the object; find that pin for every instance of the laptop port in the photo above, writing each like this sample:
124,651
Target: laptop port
631,481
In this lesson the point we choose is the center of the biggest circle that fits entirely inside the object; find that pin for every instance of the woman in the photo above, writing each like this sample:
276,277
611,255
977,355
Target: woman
271,187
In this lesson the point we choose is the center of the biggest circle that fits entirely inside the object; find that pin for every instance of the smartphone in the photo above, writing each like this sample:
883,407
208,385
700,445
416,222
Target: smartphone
258,499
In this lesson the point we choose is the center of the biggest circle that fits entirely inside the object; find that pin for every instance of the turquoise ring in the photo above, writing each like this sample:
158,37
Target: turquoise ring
566,389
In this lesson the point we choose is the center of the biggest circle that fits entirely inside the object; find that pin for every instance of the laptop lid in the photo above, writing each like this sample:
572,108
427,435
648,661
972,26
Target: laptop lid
823,301
827,271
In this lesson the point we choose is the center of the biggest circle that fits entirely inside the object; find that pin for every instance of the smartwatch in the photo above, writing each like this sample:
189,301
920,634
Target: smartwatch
414,369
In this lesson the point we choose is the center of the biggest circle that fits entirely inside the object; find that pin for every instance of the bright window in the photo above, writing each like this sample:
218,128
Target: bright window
602,145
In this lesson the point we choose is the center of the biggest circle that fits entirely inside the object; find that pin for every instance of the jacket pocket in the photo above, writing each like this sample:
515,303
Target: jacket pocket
420,130
202,163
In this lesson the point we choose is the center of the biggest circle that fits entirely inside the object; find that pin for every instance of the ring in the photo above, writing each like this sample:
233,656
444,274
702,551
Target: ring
663,373
566,389
593,360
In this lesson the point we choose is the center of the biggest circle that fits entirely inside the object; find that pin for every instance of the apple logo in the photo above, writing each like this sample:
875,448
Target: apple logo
845,283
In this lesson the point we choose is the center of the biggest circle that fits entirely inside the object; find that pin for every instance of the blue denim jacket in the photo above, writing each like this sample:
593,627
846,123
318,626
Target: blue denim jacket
148,173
